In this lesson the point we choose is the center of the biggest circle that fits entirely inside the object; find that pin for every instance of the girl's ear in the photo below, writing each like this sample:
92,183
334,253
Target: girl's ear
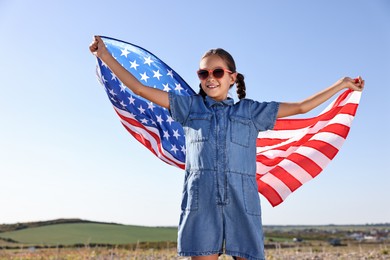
233,78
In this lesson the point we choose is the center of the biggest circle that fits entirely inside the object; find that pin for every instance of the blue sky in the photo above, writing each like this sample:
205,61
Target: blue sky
64,154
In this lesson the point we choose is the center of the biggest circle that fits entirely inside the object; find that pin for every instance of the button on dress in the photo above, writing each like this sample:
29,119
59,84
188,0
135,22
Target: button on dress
220,203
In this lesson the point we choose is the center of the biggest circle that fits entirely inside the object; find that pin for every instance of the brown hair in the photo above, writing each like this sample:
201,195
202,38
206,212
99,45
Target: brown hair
231,65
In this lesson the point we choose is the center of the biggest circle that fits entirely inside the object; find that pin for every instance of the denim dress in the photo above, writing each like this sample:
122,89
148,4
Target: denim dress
220,203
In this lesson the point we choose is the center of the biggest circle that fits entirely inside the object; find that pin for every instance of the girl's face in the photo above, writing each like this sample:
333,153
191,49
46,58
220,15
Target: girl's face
216,88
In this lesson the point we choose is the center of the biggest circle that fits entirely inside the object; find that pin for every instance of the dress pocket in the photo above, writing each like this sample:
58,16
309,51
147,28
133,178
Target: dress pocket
190,199
251,195
198,127
240,130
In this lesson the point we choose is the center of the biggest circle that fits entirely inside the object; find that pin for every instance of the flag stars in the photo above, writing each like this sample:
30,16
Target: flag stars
157,74
144,121
112,92
134,65
166,134
131,100
174,149
125,52
170,120
176,134
166,87
178,88
123,87
148,60
123,104
151,105
141,109
170,73
183,149
144,77
113,76
159,119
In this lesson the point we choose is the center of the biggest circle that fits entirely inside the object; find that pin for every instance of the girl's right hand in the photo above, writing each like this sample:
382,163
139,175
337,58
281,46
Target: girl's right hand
97,47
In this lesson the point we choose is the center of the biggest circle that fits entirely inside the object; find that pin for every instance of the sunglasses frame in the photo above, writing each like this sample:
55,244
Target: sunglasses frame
211,72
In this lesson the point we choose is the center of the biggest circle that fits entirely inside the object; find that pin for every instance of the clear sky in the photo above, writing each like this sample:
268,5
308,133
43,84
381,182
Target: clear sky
64,153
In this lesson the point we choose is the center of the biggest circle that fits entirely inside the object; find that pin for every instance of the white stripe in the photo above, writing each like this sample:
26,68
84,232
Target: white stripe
319,158
295,170
330,138
262,169
279,186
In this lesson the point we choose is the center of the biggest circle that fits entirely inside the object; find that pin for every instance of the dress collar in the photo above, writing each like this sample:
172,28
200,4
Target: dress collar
210,102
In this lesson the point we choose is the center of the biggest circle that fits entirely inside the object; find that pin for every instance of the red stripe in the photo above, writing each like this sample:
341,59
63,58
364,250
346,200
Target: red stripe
325,148
306,163
291,182
269,193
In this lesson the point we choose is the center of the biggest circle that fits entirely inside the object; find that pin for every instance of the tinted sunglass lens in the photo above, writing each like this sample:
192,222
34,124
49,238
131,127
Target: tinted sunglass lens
203,74
218,73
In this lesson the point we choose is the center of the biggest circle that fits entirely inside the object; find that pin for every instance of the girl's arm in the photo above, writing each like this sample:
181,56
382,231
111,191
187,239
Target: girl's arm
157,96
290,109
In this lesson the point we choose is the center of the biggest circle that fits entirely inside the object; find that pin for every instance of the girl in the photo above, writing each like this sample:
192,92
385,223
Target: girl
220,205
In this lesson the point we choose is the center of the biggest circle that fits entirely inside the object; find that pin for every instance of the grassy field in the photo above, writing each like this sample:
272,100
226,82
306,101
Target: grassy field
90,233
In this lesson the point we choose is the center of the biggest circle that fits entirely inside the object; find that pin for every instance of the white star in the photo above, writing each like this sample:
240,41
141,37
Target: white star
132,115
176,133
123,104
103,79
113,77
151,106
123,87
159,119
113,99
183,149
125,52
131,100
144,121
166,87
103,64
157,74
170,120
112,92
166,134
148,60
178,87
134,65
174,149
170,73
144,77
153,122
141,109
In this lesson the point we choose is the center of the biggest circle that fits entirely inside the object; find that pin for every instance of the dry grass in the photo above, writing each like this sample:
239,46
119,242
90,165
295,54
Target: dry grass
364,251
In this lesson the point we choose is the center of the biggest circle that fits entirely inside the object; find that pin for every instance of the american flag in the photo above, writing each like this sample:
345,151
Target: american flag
294,152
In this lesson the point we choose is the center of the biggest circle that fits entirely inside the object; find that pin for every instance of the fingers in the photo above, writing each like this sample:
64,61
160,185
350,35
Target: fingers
358,83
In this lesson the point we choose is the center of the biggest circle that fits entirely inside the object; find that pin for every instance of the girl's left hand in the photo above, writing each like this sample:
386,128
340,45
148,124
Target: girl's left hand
356,84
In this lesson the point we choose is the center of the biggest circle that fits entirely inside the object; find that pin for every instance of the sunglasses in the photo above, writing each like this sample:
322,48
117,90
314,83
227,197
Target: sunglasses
217,73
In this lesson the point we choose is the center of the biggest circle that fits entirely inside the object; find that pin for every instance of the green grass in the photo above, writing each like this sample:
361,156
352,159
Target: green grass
85,233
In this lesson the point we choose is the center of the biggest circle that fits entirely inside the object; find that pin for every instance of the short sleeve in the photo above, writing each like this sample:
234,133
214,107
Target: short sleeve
264,114
179,107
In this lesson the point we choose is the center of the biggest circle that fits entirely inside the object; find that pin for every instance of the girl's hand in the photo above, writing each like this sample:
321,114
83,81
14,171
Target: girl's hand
97,47
354,84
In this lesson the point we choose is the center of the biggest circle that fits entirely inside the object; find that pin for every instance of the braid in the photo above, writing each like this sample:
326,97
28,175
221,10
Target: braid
201,91
240,85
